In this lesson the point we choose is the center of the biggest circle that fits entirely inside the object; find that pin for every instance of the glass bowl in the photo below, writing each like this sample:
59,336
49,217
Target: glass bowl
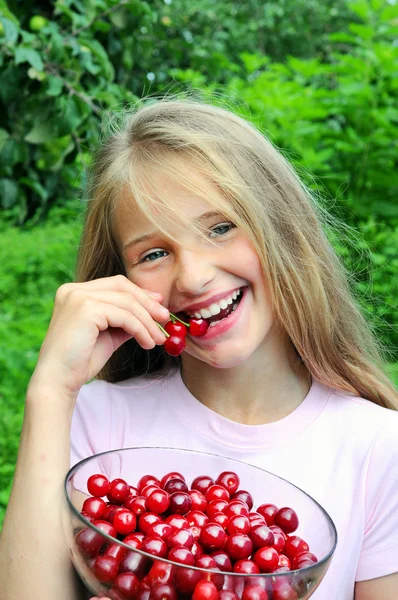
88,542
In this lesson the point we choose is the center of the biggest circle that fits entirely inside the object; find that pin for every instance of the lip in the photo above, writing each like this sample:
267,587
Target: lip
225,324
191,308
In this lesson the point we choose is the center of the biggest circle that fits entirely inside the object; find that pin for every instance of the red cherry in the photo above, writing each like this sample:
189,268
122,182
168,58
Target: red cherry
229,480
182,555
175,345
177,521
198,500
198,327
246,566
221,519
148,489
118,491
146,520
287,520
215,506
164,591
182,537
295,545
262,536
284,561
176,328
197,548
137,505
162,530
268,511
238,524
254,592
202,483
279,538
158,502
282,590
127,584
175,485
239,546
155,546
195,532
168,476
116,550
212,537
222,560
105,568
246,497
236,507
147,480
124,521
106,528
205,590
98,485
186,579
135,563
227,595
197,517
95,507
134,540
266,559
90,542
180,503
217,492
160,572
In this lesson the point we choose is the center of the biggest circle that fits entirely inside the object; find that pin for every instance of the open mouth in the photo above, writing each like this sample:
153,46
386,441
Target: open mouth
223,314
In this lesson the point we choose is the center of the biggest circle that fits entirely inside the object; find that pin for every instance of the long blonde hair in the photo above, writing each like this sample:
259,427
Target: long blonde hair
308,284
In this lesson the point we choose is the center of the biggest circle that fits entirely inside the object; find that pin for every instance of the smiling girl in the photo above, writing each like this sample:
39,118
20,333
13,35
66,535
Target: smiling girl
193,211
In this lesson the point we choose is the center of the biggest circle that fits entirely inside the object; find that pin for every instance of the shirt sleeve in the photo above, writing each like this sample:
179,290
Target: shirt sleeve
90,430
379,555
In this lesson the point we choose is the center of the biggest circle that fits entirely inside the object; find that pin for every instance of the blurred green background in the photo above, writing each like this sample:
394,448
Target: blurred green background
319,77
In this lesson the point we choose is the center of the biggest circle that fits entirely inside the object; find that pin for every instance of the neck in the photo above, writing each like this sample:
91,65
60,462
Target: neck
261,390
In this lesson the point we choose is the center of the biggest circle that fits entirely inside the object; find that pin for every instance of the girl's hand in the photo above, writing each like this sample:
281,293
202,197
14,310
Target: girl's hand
90,321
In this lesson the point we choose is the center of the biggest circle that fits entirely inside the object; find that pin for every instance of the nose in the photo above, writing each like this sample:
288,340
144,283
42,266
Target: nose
194,271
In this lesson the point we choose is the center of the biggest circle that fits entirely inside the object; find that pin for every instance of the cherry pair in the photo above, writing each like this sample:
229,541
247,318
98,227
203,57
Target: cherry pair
176,331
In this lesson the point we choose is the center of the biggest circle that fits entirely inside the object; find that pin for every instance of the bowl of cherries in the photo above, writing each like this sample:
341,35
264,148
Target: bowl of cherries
173,524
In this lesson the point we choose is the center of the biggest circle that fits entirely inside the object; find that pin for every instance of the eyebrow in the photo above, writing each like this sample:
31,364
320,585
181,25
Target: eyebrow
147,236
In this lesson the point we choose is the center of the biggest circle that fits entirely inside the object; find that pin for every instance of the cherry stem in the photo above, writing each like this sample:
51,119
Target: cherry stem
162,329
174,318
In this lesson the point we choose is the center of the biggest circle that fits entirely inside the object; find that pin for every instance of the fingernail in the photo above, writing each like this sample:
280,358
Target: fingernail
154,294
164,311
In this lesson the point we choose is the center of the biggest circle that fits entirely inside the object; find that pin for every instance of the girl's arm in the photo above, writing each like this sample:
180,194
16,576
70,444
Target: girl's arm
34,559
382,588
90,321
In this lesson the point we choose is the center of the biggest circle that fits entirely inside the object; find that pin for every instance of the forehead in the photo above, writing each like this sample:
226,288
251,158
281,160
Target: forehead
169,204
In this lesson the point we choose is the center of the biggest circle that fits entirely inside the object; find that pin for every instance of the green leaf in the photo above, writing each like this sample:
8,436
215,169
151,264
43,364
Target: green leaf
55,86
40,133
4,135
100,53
8,192
10,32
29,55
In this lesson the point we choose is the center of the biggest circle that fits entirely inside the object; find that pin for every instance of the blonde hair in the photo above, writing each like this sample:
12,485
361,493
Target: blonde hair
266,199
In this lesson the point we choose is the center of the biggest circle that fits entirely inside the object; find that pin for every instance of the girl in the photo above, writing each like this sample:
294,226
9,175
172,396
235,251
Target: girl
192,210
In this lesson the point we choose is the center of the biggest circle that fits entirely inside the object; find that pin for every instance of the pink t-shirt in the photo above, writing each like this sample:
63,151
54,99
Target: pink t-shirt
341,449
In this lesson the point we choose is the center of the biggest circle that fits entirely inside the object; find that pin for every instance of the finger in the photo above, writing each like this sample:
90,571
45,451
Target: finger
109,315
148,316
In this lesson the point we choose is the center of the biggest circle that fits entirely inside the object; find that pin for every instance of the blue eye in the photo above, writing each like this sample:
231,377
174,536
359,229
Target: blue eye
153,256
221,229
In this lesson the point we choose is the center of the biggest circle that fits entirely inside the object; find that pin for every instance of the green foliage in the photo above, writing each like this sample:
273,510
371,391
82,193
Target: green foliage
65,63
34,263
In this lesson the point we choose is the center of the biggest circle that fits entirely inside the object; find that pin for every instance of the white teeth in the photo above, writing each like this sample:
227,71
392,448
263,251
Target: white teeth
223,304
216,307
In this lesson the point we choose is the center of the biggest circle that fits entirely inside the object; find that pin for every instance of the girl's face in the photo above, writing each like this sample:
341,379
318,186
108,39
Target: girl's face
195,276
